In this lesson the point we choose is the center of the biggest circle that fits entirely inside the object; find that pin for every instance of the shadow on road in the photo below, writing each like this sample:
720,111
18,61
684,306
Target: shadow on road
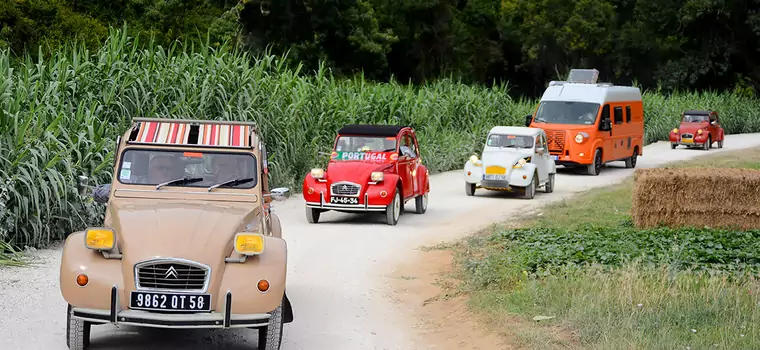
129,337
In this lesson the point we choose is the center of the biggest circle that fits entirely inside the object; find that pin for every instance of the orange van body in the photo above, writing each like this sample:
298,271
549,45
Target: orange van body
589,124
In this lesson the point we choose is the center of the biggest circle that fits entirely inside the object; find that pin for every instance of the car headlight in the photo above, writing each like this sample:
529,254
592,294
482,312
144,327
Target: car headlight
699,132
377,176
99,238
474,159
675,131
579,138
247,243
520,163
317,173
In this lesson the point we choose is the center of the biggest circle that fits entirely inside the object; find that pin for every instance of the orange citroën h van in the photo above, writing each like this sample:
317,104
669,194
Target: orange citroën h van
588,124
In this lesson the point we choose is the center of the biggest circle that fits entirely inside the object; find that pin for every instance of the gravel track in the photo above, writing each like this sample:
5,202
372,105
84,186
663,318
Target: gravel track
339,270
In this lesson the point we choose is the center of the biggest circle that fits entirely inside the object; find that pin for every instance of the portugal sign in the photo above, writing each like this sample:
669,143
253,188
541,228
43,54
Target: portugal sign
375,157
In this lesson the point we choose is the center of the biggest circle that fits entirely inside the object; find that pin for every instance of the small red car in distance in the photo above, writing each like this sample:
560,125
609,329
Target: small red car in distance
373,168
698,128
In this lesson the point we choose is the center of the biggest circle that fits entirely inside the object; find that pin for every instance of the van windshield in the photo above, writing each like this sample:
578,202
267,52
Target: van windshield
567,112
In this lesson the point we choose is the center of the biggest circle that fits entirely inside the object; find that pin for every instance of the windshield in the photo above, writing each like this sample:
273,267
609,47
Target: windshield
510,141
153,167
365,144
567,112
692,118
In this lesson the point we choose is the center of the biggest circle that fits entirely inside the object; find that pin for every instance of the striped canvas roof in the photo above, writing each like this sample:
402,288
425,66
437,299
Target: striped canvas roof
178,133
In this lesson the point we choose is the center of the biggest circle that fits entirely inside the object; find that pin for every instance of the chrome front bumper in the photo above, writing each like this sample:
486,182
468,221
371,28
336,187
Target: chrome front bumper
161,320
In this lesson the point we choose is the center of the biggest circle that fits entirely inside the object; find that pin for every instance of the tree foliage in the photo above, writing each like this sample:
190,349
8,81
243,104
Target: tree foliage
673,44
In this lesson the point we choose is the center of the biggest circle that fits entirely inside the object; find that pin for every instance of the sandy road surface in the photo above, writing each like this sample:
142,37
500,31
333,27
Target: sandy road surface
339,270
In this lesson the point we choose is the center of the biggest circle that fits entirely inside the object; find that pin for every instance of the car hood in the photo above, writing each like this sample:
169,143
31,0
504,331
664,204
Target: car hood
505,157
354,171
692,127
198,231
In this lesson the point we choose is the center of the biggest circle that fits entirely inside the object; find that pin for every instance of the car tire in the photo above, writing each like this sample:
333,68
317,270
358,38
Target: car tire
530,190
270,337
673,145
549,187
720,144
420,203
596,166
469,189
312,215
393,210
77,332
631,161
706,145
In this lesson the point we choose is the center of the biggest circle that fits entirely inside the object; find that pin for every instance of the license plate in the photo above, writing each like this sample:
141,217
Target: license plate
344,200
171,302
555,157
494,177
687,140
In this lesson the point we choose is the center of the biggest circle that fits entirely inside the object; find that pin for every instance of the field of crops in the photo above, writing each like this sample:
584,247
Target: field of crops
59,118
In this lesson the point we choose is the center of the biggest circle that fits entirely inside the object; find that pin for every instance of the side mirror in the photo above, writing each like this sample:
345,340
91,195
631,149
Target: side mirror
540,150
82,182
713,122
280,194
606,125
528,119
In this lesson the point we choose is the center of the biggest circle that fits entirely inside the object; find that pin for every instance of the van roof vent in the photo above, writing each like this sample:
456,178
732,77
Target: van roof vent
584,76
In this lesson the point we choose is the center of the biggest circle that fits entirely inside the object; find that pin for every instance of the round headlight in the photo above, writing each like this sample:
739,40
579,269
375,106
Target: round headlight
474,158
579,138
317,173
522,161
376,176
675,131
699,131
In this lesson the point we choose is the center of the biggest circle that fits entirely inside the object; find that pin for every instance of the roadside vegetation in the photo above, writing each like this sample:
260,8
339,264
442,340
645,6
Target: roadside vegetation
60,116
606,285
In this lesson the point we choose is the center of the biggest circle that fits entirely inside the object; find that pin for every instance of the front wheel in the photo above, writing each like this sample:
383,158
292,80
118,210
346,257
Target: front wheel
420,203
706,145
469,189
596,166
720,144
530,190
77,332
270,337
312,215
393,210
673,145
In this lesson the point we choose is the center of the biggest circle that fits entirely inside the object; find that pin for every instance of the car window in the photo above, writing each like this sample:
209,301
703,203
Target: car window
365,144
695,118
154,166
510,141
407,146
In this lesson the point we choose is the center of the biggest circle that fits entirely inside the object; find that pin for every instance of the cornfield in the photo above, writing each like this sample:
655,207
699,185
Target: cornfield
59,118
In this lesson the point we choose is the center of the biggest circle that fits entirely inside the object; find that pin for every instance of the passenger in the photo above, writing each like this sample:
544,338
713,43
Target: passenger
226,168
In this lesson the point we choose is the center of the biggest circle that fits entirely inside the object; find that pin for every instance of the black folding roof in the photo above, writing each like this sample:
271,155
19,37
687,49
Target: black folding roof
698,112
371,130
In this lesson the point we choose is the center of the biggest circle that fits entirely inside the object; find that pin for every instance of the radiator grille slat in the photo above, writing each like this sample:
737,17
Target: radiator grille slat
171,276
345,189
555,140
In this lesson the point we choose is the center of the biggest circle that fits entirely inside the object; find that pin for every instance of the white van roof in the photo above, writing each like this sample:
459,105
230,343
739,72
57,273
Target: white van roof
581,92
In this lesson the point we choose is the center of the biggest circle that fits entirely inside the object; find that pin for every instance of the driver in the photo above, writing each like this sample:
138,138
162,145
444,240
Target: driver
226,168
162,168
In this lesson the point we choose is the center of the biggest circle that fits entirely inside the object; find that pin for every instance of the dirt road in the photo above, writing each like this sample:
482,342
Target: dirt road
339,270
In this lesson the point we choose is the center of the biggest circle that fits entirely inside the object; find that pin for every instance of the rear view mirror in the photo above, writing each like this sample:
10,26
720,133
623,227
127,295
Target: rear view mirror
280,194
82,182
713,122
540,150
528,119
606,125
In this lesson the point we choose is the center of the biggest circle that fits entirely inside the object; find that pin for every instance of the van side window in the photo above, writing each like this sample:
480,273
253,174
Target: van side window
627,114
618,115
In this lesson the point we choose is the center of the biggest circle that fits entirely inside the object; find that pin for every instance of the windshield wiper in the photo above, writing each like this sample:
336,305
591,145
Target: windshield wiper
540,120
183,180
232,182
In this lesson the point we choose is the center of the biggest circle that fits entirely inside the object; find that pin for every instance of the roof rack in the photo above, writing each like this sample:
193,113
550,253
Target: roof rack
584,76
195,133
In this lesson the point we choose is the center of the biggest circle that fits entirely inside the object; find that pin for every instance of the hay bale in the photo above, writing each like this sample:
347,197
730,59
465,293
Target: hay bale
715,197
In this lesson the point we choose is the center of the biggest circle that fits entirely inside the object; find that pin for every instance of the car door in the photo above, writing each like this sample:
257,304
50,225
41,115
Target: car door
541,159
405,165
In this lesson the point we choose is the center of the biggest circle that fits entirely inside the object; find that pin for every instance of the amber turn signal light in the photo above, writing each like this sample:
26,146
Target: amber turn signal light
263,285
82,280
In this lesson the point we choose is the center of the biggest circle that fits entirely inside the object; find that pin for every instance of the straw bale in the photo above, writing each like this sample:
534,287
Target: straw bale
714,197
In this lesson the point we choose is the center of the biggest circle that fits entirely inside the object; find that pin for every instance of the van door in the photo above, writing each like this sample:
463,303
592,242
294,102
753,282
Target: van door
605,136
619,134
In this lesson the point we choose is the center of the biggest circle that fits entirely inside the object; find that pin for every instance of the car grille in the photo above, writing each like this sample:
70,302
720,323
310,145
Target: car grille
171,275
555,140
687,136
345,189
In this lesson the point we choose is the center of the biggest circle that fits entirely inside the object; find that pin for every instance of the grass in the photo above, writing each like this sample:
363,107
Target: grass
570,263
59,118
